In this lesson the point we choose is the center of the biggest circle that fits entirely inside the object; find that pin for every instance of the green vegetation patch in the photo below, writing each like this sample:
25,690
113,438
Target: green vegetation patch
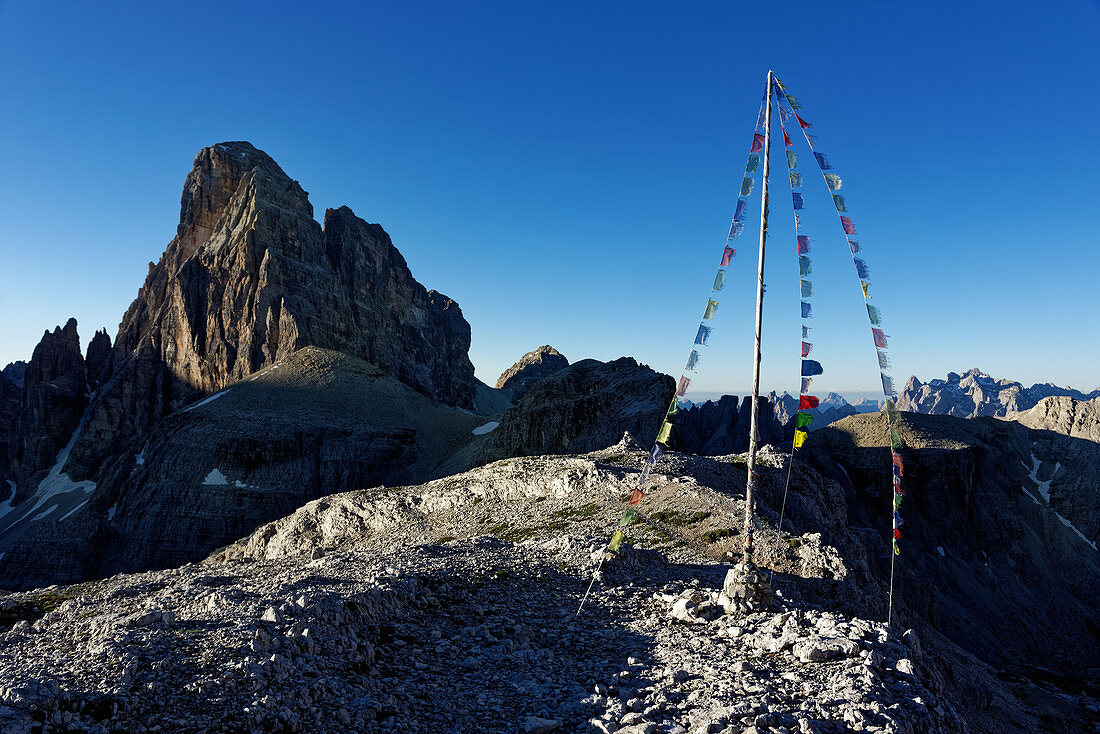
585,511
713,536
39,605
674,517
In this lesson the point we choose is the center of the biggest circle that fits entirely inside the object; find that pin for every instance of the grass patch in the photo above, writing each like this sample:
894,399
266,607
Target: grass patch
504,531
713,536
585,511
673,517
39,605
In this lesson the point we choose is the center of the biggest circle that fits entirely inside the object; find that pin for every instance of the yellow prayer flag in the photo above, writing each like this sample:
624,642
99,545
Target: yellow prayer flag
864,285
799,439
663,434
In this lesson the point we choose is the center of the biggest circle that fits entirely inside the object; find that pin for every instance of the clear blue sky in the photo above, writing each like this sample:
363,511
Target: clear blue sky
566,171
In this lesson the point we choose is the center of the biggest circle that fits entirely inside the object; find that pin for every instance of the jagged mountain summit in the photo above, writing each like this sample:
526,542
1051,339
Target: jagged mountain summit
249,280
974,393
532,368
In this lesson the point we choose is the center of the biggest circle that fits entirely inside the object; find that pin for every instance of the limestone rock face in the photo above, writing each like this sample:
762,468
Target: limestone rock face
251,277
14,372
1075,418
975,393
11,401
54,396
316,422
584,407
533,367
721,427
97,360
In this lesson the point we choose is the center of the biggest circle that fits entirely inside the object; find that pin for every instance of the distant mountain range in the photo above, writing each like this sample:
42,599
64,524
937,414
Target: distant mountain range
974,393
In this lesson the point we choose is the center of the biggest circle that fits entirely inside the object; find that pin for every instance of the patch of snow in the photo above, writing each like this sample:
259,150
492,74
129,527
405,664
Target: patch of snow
1073,527
43,514
1044,487
215,479
72,510
940,549
487,428
111,512
139,458
239,484
201,403
54,486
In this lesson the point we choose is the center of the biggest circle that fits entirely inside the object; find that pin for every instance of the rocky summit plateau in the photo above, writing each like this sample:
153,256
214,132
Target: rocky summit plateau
279,500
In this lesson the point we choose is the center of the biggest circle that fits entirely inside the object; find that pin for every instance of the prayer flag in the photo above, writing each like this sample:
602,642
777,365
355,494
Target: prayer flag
880,338
833,181
787,139
703,335
739,210
802,122
895,459
887,385
846,222
796,180
822,162
898,522
793,102
682,387
664,433
853,246
746,186
861,268
693,360
654,453
811,367
806,310
874,315
797,200
617,538
711,309
719,280
735,229
806,288
727,255
805,332
803,244
792,160
754,163
838,201
883,359
629,516
803,420
799,439
804,267
757,143
897,551
864,285
673,407
897,534
806,347
807,402
807,382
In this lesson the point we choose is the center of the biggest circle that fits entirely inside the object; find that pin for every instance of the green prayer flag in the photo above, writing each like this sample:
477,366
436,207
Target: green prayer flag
807,288
746,186
793,102
754,163
896,441
874,315
673,409
712,308
796,180
719,280
629,516
616,541
804,267
803,420
833,181
841,206
792,160
897,500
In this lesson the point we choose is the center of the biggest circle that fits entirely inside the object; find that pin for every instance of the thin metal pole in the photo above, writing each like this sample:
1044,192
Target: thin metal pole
750,484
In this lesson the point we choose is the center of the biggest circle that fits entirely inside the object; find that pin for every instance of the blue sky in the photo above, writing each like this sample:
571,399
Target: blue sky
566,171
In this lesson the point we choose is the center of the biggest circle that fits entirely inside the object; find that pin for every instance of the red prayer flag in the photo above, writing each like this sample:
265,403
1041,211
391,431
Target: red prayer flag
682,388
806,347
880,338
802,122
787,139
757,143
807,402
897,462
846,222
727,255
635,497
897,533
803,245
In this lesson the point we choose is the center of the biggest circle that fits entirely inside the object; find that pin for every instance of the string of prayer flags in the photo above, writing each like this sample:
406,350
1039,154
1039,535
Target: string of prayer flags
702,337
833,182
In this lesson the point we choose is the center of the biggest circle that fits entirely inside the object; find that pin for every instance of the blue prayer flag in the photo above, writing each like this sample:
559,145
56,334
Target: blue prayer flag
811,367
703,335
861,268
823,162
739,211
797,200
805,310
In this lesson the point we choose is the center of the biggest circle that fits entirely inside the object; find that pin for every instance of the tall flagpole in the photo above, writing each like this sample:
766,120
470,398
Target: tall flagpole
750,485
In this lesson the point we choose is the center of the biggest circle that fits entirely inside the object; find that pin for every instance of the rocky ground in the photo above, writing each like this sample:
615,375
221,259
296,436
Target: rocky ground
452,607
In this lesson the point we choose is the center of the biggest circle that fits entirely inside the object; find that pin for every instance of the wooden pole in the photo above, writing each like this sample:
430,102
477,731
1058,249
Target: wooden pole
750,484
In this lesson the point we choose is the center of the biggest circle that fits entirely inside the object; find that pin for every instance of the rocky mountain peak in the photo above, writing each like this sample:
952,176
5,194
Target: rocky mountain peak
533,367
